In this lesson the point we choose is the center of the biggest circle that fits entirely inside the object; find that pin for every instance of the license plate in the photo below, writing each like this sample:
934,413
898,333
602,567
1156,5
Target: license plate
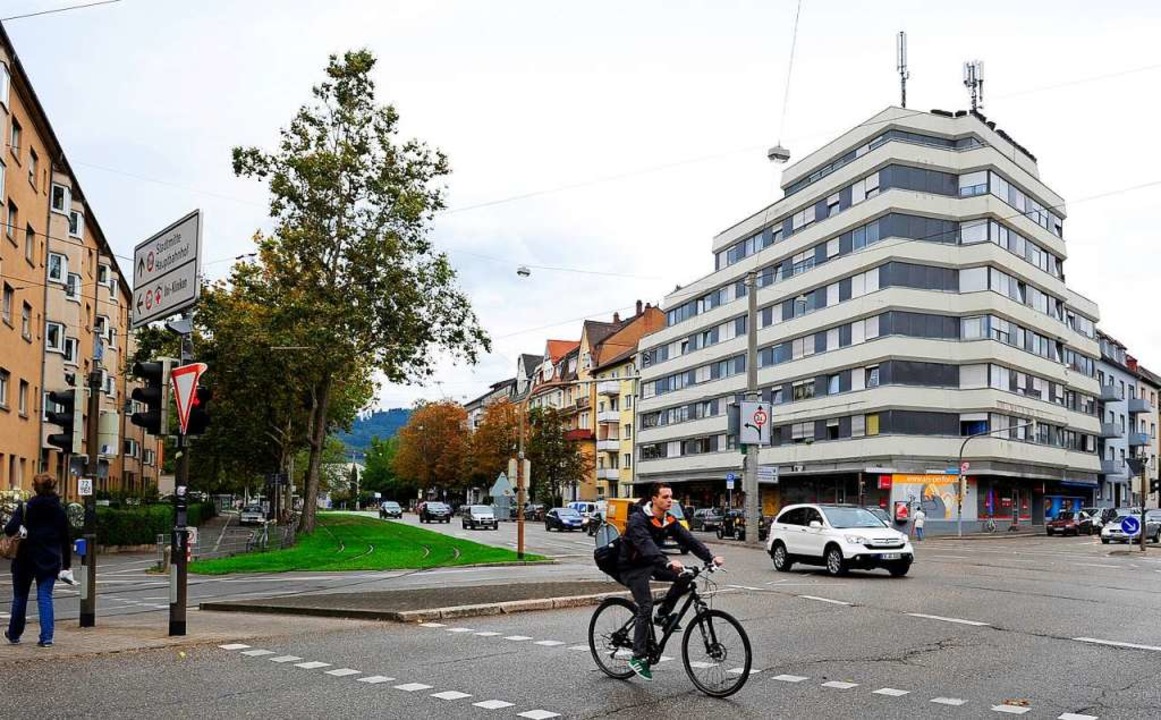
891,556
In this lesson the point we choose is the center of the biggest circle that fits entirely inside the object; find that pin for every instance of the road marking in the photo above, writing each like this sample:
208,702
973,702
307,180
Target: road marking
1133,646
959,621
1076,716
450,695
578,647
949,701
538,715
234,646
431,624
459,630
744,587
493,704
548,643
740,670
840,685
518,638
258,653
312,665
1011,709
487,634
665,658
343,672
285,658
375,679
825,600
412,687
891,692
790,678
1098,565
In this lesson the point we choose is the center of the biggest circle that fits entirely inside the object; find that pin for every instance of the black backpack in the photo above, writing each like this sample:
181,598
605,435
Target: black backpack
607,556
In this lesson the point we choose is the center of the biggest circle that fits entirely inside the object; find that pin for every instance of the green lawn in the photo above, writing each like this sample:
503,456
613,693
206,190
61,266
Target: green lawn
353,542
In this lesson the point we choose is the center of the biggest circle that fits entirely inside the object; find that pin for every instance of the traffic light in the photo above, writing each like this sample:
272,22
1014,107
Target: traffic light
1155,486
199,411
155,395
70,420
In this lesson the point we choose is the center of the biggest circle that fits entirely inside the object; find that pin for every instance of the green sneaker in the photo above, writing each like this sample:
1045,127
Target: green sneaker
641,667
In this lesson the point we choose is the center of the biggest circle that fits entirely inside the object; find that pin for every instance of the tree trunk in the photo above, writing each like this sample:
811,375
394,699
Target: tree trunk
318,436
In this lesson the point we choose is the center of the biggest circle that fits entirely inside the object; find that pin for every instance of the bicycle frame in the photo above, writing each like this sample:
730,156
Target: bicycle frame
693,598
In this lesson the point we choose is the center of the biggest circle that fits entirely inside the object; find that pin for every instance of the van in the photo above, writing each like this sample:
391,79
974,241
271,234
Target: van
617,514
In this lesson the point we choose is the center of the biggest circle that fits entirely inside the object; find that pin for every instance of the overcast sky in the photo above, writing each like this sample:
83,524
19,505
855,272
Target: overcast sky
599,137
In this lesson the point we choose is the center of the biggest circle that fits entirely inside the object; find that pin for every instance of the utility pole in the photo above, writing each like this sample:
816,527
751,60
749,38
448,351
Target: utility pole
750,476
179,569
88,615
520,479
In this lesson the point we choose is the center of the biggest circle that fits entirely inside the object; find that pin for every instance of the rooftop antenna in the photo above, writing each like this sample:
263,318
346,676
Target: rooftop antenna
973,79
901,64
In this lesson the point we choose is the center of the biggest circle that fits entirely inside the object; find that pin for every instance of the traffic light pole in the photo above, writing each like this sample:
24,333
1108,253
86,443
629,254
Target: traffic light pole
89,559
178,569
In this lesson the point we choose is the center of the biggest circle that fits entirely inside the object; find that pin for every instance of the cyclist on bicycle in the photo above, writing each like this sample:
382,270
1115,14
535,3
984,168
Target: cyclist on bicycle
641,560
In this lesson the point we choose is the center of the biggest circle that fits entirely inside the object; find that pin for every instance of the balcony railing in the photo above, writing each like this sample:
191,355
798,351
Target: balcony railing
1139,405
1109,393
583,402
609,445
1139,439
1111,430
608,474
609,387
1112,467
609,416
578,434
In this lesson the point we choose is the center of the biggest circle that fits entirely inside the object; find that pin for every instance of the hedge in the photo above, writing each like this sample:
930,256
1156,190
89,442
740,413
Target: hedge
141,524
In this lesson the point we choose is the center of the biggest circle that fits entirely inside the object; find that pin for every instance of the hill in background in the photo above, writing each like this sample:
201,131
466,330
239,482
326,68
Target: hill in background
381,424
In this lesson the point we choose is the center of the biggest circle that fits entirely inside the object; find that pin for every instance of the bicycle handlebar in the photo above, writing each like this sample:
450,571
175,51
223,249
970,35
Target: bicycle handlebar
694,571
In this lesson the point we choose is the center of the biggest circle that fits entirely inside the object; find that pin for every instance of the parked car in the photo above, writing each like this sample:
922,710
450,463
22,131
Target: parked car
838,537
563,518
533,511
1113,531
1066,522
480,516
252,515
390,509
434,512
706,519
733,525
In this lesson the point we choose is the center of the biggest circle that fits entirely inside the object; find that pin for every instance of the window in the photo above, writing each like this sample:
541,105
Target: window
30,244
832,429
59,198
802,432
103,274
9,297
872,376
76,224
803,390
627,460
58,267
22,399
832,385
73,288
858,425
627,431
54,336
12,220
72,348
975,183
873,424
14,138
33,166
4,388
26,322
5,82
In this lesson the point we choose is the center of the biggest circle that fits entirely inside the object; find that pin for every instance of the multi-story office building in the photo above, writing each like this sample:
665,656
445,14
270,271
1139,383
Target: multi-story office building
911,294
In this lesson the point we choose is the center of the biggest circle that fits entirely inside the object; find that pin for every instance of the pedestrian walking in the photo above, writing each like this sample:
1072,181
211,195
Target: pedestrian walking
920,518
44,555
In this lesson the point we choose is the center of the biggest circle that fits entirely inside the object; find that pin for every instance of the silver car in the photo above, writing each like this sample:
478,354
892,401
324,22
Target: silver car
480,516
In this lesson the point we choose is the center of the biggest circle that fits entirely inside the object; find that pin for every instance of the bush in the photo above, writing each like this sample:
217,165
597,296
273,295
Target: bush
140,525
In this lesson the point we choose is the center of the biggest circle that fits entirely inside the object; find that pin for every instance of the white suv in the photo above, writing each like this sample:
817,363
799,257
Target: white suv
839,537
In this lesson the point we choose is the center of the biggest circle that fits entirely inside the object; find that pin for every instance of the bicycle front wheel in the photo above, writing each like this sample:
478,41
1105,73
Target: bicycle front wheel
716,653
611,637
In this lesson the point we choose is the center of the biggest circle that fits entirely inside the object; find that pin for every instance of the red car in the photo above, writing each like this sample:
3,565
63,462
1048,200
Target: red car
1065,524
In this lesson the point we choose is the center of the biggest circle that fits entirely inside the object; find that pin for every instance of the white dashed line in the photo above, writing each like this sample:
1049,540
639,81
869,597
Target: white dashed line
839,685
518,638
891,692
450,695
948,701
493,704
1011,709
664,658
487,634
548,643
958,621
460,630
1114,643
702,665
258,653
285,658
313,665
343,672
790,678
375,679
578,647
431,624
825,600
1076,716
412,687
538,715
234,646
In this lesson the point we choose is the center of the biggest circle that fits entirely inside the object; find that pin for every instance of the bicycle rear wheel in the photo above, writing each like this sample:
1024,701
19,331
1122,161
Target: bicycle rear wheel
716,653
611,637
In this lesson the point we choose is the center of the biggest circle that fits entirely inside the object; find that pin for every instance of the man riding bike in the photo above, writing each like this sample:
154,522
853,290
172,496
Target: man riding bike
649,523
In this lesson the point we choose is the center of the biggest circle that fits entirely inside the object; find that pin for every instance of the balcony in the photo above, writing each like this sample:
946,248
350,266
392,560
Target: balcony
1109,393
1139,405
610,445
583,402
613,474
1139,439
1111,430
609,416
1112,467
609,387
578,434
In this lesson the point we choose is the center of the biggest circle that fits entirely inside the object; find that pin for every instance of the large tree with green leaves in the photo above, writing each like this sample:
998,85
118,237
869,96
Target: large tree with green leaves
556,461
349,263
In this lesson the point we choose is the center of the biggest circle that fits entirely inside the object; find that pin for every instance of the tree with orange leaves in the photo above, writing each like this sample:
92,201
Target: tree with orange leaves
434,447
494,442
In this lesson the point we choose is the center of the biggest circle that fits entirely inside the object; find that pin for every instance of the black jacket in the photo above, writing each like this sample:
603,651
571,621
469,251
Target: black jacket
644,535
46,550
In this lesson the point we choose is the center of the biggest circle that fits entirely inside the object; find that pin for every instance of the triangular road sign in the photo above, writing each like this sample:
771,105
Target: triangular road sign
185,385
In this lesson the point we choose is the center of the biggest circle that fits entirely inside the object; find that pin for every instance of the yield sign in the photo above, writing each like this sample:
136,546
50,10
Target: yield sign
185,386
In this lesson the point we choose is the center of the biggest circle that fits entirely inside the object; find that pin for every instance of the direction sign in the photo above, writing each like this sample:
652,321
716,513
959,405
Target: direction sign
755,424
1130,525
166,268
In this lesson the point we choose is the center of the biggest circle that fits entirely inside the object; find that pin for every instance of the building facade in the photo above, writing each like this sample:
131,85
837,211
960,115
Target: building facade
911,295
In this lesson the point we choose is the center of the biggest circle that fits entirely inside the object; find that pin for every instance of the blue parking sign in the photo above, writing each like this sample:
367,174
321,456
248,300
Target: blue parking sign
1130,525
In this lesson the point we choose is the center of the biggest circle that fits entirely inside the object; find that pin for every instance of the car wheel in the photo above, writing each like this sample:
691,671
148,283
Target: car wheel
547,527
721,535
781,558
899,569
835,565
1104,541
1049,532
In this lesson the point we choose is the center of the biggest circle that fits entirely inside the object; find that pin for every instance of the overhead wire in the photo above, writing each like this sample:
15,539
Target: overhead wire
58,10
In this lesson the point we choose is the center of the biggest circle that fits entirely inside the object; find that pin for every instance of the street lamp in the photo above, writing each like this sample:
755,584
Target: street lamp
963,475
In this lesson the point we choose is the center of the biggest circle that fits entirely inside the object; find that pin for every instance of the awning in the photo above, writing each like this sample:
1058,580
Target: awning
1080,483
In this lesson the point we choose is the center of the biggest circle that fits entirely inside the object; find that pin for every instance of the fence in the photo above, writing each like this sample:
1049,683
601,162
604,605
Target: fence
235,540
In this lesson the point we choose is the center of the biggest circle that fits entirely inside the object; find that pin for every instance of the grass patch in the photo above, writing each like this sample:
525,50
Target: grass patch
352,542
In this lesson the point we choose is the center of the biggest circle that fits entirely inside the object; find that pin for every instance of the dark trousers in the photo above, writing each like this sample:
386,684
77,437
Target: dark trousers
637,580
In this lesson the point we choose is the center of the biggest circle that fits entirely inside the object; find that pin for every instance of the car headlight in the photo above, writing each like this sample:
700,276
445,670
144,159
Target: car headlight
856,539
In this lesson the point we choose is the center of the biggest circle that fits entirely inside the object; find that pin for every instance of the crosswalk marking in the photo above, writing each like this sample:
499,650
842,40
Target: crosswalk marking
234,646
313,665
838,685
790,678
375,679
493,704
412,687
258,653
450,695
949,701
892,692
1011,709
285,658
343,672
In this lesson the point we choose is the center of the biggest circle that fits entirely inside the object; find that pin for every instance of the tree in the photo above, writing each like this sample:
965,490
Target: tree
433,447
556,461
494,442
380,474
349,267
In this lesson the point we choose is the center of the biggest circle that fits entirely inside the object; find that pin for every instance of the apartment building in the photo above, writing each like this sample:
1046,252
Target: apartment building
911,294
1128,413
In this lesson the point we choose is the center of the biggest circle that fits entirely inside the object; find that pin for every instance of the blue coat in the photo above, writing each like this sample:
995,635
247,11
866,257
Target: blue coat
46,550
644,535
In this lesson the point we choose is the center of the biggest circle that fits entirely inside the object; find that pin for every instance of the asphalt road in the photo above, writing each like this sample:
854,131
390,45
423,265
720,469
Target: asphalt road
1043,627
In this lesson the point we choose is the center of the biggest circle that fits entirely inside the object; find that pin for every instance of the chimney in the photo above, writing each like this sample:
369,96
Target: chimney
616,317
638,307
648,306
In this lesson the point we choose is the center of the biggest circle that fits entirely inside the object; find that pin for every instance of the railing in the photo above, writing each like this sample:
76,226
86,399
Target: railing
1109,393
1139,439
1139,405
268,536
609,445
609,387
613,416
1111,430
1112,467
608,474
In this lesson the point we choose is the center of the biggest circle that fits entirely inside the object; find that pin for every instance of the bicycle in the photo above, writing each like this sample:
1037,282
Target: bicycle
715,648
989,525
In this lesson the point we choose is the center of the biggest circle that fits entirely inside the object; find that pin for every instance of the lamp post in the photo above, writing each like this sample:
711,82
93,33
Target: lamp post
963,476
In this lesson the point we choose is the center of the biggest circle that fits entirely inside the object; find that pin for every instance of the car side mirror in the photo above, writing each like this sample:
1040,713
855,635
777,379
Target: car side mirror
816,525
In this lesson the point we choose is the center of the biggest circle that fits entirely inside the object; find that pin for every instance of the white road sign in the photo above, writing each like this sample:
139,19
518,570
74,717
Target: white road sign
755,424
84,487
166,269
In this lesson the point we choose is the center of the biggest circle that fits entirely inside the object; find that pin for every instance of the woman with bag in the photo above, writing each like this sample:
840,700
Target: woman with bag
44,554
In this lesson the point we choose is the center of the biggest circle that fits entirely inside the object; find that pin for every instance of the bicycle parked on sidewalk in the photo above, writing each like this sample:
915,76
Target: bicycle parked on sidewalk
989,525
714,649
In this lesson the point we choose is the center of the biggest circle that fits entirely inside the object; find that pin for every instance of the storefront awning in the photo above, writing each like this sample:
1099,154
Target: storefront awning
1080,483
